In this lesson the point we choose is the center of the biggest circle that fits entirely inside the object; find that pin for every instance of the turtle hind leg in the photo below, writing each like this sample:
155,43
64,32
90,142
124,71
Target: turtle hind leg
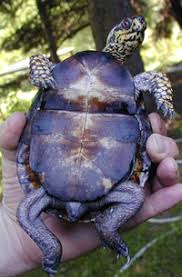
41,72
121,204
158,85
28,215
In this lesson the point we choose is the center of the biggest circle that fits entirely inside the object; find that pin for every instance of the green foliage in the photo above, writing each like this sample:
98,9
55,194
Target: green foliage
9,7
158,54
162,259
159,16
66,17
15,94
23,35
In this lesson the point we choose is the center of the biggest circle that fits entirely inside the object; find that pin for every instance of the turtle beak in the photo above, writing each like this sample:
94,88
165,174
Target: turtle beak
141,19
143,22
143,26
142,36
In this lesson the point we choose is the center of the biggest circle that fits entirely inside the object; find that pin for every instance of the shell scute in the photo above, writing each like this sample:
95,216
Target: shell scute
82,156
83,135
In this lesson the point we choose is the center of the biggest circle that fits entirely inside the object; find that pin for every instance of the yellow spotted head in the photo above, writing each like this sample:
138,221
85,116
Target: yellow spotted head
125,37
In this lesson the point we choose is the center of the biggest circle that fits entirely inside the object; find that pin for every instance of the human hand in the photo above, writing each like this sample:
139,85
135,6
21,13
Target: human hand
21,253
164,191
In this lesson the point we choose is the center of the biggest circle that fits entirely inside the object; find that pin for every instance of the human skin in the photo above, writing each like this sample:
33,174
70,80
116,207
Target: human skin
21,254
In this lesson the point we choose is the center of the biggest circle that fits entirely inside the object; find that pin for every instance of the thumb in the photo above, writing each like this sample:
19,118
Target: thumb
10,132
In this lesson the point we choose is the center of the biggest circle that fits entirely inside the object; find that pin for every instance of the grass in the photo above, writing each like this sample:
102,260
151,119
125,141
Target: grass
163,259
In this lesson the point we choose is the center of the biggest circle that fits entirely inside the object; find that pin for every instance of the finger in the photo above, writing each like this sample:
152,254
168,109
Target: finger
158,202
160,147
158,125
10,132
167,174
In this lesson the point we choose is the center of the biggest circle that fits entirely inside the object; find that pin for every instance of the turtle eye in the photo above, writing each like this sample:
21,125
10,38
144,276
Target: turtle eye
126,24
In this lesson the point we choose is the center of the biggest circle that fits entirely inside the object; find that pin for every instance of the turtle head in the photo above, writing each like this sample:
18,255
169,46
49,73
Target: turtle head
125,37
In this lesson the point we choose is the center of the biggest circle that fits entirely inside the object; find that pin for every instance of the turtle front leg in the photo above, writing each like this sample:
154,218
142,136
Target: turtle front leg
29,217
158,85
120,205
41,72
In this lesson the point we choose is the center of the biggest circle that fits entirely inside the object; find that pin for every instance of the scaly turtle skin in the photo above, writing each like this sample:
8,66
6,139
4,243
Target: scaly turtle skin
82,152
125,37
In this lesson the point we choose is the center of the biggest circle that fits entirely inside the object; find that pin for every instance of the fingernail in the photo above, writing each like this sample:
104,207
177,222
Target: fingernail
159,145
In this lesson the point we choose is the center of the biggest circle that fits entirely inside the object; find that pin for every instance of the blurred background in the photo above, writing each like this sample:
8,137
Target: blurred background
61,28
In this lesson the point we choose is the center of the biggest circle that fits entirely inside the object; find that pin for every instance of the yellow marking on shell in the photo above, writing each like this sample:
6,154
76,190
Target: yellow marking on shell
107,183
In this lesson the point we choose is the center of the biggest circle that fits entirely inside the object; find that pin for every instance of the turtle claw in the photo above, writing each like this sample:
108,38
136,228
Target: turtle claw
166,109
48,83
51,272
43,83
128,259
118,256
52,83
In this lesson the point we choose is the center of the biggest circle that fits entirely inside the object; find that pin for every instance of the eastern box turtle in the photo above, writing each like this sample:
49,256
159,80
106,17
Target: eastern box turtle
82,153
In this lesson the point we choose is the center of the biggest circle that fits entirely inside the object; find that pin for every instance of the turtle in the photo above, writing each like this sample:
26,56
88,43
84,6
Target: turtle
82,153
